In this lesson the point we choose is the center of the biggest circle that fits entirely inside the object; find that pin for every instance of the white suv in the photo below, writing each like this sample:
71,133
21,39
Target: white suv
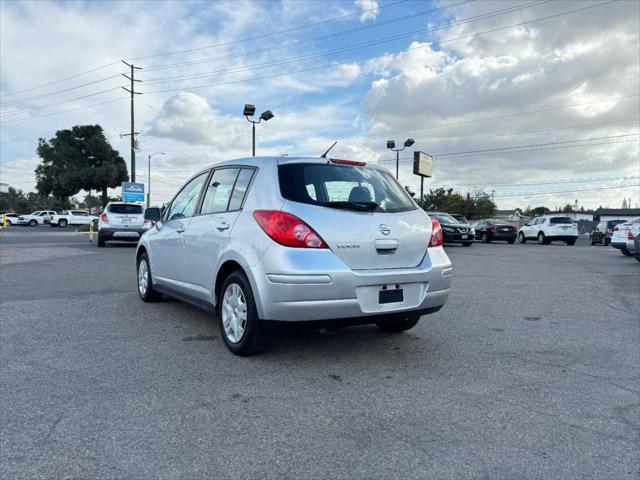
620,236
72,217
548,229
121,221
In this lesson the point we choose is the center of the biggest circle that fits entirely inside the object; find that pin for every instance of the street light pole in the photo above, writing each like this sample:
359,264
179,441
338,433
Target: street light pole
249,111
149,176
391,145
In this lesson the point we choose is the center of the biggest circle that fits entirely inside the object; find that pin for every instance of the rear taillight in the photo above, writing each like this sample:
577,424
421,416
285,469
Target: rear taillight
630,236
494,228
103,217
615,229
287,229
436,233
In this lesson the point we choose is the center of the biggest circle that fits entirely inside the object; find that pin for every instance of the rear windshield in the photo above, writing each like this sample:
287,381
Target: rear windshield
343,186
560,220
613,223
125,208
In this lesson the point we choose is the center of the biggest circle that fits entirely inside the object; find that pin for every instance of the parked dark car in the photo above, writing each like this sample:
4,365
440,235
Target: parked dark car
452,230
490,230
603,231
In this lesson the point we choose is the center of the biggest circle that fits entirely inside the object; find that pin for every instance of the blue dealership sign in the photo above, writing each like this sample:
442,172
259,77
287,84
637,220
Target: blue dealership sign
132,192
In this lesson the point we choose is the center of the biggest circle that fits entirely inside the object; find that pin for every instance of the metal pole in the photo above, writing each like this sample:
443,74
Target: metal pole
253,124
133,142
397,164
421,187
149,182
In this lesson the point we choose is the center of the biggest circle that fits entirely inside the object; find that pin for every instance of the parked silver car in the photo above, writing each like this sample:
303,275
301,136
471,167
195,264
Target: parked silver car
295,239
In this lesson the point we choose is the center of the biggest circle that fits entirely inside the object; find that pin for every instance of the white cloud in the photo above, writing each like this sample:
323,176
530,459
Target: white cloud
369,9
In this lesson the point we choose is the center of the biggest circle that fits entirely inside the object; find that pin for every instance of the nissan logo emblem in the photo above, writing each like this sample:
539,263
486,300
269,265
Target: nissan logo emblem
384,229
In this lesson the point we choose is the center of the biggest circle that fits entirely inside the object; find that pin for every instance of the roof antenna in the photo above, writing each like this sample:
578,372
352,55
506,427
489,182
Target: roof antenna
324,155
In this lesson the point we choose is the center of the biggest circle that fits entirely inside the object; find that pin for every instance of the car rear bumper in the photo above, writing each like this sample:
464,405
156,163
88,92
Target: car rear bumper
618,243
120,234
562,238
322,287
506,236
457,238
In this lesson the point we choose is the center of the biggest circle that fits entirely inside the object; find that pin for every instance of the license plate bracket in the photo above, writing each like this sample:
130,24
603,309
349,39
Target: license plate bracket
394,295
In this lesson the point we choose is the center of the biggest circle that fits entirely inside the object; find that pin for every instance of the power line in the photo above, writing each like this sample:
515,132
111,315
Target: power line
65,111
271,34
334,64
22,100
60,81
357,46
309,40
556,192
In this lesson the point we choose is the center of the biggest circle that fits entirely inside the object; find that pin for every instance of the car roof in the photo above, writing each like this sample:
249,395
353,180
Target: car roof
261,161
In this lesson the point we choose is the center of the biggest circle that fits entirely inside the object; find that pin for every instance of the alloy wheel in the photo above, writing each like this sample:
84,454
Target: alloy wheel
234,313
143,277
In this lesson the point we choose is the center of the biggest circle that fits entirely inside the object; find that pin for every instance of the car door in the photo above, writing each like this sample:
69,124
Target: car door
208,232
166,244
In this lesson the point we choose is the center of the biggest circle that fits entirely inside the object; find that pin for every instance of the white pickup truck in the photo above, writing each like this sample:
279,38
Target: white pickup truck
72,217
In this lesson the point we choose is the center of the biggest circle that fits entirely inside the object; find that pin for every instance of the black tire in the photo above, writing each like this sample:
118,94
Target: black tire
53,225
9,223
33,223
571,242
101,242
593,242
626,252
63,223
253,339
637,257
466,244
511,242
485,238
604,241
150,294
398,326
522,238
542,240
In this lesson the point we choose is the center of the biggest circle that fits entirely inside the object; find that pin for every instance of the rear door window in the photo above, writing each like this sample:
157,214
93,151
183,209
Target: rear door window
347,187
218,194
240,189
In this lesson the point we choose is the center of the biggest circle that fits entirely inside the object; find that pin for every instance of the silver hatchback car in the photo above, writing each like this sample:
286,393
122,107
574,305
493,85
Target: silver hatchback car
295,240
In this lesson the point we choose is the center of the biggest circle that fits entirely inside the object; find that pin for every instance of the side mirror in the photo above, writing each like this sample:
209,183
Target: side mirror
152,214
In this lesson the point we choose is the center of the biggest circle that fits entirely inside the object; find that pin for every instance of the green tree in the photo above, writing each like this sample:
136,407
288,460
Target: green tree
536,212
77,159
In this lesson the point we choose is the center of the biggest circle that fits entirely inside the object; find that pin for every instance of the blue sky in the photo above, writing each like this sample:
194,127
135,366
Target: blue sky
464,78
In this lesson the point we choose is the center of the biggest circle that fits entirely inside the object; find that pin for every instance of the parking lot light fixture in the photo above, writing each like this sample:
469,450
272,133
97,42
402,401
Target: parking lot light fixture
391,145
149,176
249,111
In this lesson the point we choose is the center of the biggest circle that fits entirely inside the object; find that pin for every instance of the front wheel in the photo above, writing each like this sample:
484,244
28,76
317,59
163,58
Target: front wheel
145,283
397,326
239,322
33,223
63,223
626,252
466,244
522,238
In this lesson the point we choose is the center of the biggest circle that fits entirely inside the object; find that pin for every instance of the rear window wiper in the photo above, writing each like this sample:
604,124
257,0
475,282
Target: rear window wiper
364,206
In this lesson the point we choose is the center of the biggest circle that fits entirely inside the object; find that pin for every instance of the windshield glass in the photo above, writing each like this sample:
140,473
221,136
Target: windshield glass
460,218
443,218
130,209
561,220
343,186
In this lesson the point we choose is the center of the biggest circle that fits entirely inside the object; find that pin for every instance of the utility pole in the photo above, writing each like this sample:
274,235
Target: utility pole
133,132
493,196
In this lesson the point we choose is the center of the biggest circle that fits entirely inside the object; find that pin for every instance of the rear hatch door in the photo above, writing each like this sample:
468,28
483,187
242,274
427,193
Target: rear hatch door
126,215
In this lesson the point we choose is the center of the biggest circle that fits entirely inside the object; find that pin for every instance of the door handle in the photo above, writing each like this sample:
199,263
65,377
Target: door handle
180,229
223,226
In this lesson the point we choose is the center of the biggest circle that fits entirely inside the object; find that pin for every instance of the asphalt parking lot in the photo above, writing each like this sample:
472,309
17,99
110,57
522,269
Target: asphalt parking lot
530,371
